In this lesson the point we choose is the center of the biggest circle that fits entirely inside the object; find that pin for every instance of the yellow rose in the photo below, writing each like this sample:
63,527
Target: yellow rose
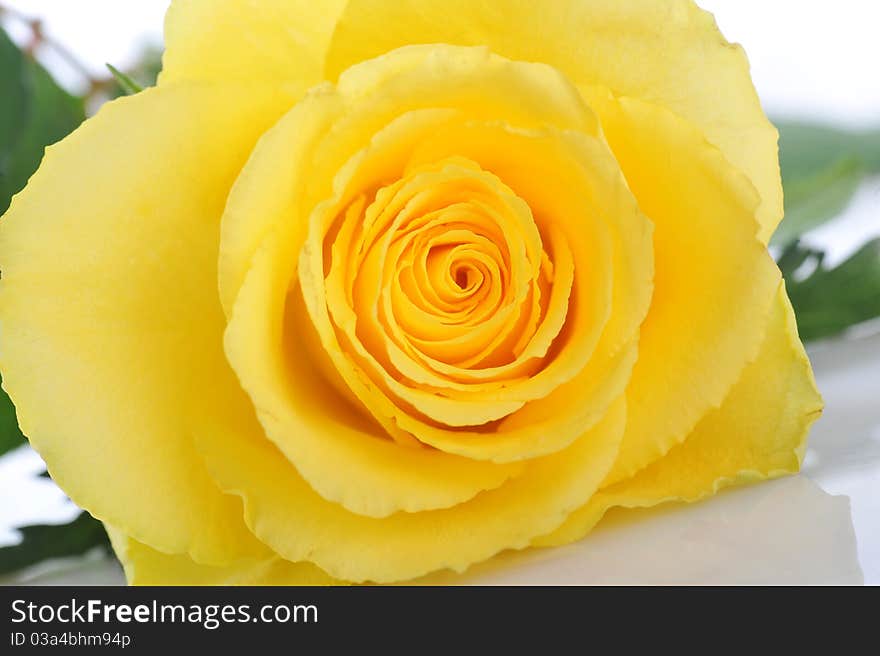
364,290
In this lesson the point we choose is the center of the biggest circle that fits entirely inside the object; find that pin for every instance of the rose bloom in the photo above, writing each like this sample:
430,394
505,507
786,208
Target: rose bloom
365,290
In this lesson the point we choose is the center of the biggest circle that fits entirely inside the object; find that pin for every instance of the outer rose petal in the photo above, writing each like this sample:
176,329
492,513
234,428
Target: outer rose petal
759,432
146,566
266,192
665,51
714,281
110,319
289,516
246,40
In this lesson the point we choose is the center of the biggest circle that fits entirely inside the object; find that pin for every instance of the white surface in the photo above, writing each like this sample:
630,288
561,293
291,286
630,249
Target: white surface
810,59
785,532
844,452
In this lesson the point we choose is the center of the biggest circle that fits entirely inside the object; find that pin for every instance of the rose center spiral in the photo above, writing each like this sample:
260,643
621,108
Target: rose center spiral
445,268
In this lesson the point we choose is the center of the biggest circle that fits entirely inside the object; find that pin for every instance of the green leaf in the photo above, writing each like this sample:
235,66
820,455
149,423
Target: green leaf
14,93
822,167
794,257
812,200
10,434
829,300
50,113
34,112
806,149
140,75
128,86
53,541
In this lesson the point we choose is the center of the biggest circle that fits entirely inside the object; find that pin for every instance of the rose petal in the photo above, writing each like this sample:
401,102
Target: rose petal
427,79
307,419
242,40
551,429
666,51
297,523
255,348
759,432
111,324
144,565
714,282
